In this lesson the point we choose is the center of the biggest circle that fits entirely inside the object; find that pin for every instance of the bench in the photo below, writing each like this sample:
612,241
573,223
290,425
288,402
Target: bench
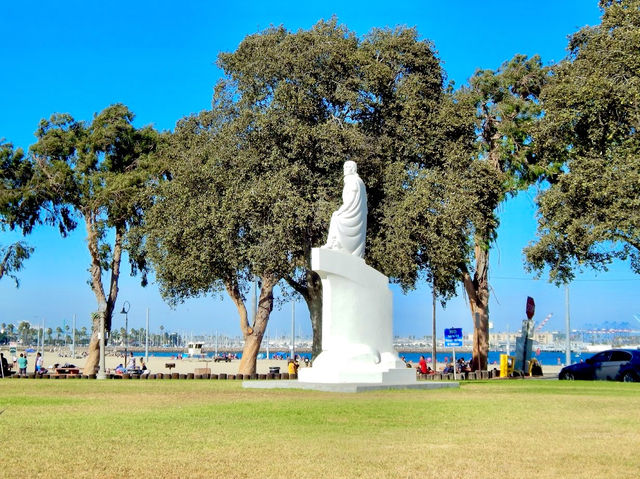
222,358
67,370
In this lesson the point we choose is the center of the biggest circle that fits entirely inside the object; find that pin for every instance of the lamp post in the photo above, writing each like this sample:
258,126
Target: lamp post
293,330
146,342
125,310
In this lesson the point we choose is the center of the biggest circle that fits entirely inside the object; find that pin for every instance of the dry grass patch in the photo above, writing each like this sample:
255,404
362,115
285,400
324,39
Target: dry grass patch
216,428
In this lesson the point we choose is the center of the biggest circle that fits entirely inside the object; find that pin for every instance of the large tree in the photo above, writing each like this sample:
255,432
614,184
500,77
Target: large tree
438,214
213,226
297,92
507,106
93,173
290,110
320,97
590,214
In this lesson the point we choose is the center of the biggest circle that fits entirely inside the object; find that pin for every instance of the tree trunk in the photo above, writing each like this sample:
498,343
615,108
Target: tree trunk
311,291
253,336
314,303
477,289
92,362
105,304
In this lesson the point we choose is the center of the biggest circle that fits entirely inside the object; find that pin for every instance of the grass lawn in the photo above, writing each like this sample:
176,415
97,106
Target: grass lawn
190,429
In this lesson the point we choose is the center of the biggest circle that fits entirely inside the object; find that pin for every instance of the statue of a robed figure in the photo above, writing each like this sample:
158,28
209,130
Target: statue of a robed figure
348,226
357,324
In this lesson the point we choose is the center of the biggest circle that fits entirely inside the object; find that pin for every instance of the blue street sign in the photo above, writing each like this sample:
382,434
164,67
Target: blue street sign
453,338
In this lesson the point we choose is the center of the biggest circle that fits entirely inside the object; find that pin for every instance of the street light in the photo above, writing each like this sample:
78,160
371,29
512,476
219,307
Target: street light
125,310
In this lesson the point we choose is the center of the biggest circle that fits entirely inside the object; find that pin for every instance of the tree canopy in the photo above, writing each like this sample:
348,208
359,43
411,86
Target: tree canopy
442,220
291,109
590,214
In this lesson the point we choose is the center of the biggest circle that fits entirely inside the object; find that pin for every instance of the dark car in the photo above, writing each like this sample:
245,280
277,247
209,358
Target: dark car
613,365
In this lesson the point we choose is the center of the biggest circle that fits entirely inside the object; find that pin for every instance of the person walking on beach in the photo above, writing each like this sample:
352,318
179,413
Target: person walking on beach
38,363
22,365
132,362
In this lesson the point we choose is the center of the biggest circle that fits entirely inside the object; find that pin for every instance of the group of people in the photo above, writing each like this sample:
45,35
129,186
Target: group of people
461,366
131,367
21,362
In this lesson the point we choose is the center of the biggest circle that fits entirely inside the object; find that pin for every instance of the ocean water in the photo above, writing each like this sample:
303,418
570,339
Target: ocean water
549,358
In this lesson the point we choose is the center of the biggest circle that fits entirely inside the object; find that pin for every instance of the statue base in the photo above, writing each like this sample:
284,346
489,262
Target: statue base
357,325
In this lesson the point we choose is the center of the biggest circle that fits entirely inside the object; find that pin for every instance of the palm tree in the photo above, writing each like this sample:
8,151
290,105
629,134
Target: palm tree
162,335
31,333
11,330
58,333
83,333
23,331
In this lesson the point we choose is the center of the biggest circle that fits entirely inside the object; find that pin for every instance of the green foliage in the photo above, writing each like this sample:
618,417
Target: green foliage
94,171
507,109
590,215
17,203
14,176
207,223
266,162
12,258
444,201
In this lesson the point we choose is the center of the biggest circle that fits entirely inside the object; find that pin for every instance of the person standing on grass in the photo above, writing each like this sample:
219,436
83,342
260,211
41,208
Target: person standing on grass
22,365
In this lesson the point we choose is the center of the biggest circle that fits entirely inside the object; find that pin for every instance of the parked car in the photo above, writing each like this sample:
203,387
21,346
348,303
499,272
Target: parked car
612,364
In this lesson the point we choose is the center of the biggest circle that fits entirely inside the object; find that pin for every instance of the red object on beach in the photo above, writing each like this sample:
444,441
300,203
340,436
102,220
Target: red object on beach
531,307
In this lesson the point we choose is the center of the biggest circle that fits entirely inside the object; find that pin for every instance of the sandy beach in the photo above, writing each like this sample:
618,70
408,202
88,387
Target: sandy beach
185,366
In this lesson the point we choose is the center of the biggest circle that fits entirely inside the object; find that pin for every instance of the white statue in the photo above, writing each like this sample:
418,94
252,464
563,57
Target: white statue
348,227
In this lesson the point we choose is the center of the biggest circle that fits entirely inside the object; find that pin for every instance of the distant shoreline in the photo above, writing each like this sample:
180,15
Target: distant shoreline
238,349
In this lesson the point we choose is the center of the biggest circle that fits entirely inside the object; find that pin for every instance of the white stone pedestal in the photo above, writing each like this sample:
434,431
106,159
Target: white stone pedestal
357,325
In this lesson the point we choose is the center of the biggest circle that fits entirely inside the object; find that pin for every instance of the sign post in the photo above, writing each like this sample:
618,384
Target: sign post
525,342
531,307
453,340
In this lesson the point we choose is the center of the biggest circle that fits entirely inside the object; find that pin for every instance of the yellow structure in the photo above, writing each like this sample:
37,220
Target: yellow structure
507,363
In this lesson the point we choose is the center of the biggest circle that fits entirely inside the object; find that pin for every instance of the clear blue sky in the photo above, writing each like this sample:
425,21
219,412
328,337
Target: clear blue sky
158,58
